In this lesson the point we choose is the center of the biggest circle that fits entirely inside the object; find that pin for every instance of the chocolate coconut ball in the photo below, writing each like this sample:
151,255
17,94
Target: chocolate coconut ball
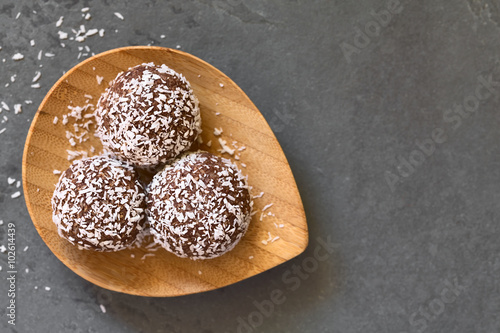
148,115
199,206
99,204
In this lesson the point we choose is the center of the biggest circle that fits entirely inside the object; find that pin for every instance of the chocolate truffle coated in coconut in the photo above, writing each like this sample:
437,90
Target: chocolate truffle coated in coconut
99,204
199,206
148,115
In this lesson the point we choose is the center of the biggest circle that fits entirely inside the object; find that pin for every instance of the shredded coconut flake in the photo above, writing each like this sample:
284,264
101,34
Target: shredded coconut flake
63,35
147,255
225,147
36,77
60,21
267,207
258,195
92,32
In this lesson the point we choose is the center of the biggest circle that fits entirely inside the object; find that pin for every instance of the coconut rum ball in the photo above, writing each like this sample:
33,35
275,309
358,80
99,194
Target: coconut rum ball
99,204
148,115
199,206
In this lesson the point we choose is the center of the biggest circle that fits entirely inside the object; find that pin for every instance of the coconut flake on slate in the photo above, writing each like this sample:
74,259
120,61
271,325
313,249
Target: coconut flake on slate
63,35
17,56
36,77
60,21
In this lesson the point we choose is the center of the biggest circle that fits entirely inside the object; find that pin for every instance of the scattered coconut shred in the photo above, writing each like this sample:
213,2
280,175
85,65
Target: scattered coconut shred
270,239
150,248
233,150
79,124
17,57
80,35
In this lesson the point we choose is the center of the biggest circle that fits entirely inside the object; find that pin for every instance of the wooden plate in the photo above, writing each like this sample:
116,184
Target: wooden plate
224,106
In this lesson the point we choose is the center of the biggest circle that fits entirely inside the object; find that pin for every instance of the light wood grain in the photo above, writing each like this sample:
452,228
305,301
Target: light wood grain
164,274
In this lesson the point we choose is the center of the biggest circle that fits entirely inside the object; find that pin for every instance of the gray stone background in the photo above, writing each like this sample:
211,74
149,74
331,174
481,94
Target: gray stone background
388,114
